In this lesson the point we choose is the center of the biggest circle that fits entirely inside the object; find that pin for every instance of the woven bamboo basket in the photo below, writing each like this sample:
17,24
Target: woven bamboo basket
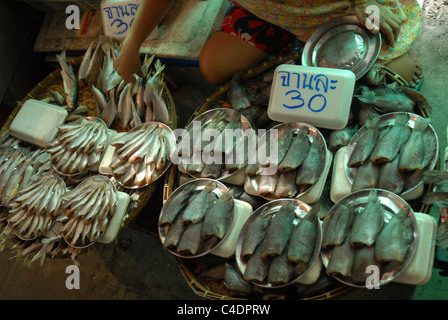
85,98
216,290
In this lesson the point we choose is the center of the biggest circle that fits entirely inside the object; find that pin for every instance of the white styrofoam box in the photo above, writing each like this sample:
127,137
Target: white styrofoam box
419,270
226,248
319,96
117,17
118,218
313,195
37,122
341,185
107,157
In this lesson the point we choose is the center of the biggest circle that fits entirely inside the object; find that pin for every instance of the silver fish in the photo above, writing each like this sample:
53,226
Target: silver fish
368,223
218,217
279,230
391,243
364,144
303,238
337,227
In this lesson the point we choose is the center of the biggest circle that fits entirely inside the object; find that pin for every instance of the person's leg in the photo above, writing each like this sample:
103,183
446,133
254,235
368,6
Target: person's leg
243,41
224,54
408,67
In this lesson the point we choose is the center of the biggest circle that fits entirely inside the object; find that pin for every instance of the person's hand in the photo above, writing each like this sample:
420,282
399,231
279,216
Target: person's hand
128,63
389,23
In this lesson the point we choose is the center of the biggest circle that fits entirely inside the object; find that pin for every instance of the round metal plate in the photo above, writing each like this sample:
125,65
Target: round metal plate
166,130
342,43
392,204
208,244
204,119
385,122
271,208
314,135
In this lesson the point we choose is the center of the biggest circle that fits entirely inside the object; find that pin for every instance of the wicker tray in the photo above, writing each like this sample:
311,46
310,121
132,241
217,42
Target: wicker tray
139,197
190,268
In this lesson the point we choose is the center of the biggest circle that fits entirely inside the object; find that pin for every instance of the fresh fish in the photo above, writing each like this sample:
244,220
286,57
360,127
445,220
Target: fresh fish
341,138
364,144
175,230
279,230
191,239
254,234
237,94
281,270
267,183
283,141
338,226
84,66
159,107
387,99
234,281
69,81
388,146
366,176
310,170
100,99
199,204
297,151
390,178
302,242
58,98
286,185
212,170
368,223
110,110
364,258
341,259
257,268
218,217
391,244
412,154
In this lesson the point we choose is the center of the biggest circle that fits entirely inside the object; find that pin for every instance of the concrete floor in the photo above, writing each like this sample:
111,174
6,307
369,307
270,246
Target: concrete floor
136,267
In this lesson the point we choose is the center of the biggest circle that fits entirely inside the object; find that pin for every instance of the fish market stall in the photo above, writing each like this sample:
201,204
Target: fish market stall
331,208
82,154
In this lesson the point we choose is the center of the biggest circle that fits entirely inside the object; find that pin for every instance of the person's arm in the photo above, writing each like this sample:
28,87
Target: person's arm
149,14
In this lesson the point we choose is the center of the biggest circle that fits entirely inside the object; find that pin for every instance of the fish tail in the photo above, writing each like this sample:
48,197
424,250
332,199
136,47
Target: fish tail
434,176
372,196
421,124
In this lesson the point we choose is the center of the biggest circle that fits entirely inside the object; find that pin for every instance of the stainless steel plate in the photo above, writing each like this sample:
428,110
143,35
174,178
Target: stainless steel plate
271,208
204,119
198,185
342,43
392,204
314,135
166,130
385,122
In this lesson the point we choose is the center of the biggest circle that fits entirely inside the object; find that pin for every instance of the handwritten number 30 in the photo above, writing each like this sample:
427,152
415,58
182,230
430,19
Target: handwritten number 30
316,104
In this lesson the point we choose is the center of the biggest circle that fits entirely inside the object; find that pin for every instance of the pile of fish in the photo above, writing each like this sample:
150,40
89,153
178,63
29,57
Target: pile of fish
79,146
36,207
439,197
277,247
196,220
142,155
355,237
299,165
130,102
87,211
13,168
219,157
391,157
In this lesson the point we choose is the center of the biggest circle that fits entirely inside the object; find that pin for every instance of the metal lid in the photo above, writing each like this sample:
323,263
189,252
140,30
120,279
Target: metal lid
342,43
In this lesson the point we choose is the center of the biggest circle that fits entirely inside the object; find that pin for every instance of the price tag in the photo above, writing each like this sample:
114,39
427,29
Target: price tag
118,16
319,96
